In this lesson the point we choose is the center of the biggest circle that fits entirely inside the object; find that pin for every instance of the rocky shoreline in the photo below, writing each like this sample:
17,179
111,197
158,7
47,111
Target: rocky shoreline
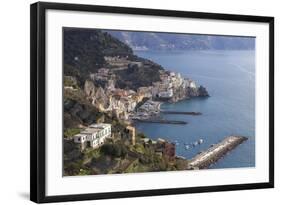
188,93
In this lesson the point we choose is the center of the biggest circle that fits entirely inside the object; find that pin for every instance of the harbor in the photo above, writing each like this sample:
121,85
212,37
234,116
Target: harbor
149,112
204,159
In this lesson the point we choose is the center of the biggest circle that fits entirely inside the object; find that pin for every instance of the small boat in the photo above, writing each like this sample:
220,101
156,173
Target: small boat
200,141
195,143
176,142
187,147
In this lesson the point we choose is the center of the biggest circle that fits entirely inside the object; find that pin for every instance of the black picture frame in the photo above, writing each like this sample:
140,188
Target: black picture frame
38,100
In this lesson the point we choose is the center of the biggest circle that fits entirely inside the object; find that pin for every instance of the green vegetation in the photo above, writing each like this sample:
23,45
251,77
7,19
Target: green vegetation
114,150
135,77
70,82
117,157
92,153
71,132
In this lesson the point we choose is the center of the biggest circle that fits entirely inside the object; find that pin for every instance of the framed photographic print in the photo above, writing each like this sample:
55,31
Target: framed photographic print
129,102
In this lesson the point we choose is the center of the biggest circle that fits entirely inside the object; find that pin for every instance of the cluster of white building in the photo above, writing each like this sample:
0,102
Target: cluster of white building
93,136
122,102
170,81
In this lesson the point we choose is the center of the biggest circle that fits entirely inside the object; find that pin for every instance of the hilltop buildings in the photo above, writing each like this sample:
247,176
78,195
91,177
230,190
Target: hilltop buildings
93,136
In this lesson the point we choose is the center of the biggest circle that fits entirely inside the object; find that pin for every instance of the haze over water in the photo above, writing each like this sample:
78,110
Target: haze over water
229,77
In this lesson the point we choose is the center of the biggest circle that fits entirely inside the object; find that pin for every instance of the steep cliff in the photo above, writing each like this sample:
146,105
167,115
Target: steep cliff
96,95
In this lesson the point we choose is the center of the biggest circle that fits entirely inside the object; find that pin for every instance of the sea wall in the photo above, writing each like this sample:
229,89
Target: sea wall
204,159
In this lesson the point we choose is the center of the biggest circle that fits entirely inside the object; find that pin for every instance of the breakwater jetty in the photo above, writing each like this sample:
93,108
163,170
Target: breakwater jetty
181,113
204,159
161,121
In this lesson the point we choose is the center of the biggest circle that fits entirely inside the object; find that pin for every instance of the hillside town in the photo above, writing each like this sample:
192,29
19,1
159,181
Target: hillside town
145,102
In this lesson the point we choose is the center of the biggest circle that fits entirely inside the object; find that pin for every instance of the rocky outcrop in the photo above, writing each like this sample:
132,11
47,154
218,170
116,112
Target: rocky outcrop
202,91
101,99
187,93
97,95
89,88
197,92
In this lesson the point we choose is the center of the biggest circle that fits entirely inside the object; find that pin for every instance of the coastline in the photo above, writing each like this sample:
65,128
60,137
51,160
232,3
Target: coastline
115,94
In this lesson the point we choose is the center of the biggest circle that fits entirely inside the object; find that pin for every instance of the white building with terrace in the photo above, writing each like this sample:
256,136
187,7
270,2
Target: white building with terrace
93,136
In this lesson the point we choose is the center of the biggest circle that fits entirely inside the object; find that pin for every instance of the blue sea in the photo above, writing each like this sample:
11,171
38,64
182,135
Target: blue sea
229,77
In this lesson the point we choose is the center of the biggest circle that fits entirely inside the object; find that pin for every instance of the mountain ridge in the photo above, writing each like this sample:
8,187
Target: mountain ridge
169,41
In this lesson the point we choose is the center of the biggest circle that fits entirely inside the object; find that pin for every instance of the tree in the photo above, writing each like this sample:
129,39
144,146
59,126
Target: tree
114,150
